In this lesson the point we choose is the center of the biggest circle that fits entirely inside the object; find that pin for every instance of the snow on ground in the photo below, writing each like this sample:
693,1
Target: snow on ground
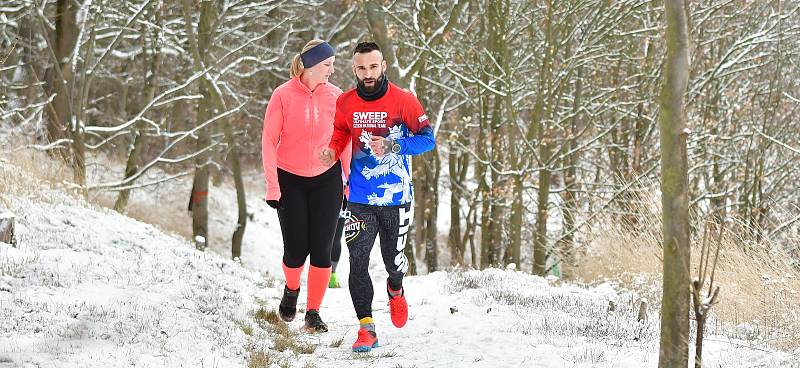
88,287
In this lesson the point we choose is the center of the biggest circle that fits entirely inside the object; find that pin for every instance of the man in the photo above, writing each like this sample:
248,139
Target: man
386,125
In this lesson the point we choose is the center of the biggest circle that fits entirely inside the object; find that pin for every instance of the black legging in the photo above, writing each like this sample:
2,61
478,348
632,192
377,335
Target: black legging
365,223
336,251
308,211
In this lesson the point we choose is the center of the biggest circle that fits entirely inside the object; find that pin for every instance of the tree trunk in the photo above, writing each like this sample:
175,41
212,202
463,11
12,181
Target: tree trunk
470,234
483,188
241,222
62,120
60,76
427,167
206,107
459,167
540,237
417,236
432,168
377,26
23,77
131,164
544,138
674,348
698,349
7,228
79,156
131,167
571,161
457,171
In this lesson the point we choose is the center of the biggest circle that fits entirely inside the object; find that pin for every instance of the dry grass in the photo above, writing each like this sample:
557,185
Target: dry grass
164,205
266,359
760,288
245,326
337,342
274,343
166,216
284,338
28,172
265,317
287,340
35,171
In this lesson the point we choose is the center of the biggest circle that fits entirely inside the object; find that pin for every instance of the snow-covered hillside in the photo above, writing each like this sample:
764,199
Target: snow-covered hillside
87,287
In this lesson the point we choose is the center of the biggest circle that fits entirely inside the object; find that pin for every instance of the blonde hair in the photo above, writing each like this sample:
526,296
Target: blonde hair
297,63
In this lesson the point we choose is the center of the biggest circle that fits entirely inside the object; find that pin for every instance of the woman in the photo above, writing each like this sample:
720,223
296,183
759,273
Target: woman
298,124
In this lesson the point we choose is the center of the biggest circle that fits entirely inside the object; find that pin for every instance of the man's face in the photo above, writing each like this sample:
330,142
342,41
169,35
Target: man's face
368,68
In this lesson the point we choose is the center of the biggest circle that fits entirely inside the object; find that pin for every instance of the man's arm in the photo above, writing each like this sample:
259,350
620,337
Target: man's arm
418,123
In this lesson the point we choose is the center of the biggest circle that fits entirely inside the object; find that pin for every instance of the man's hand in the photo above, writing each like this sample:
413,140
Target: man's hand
380,146
326,156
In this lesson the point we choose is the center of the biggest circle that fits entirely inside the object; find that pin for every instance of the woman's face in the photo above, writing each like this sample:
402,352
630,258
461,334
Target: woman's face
321,72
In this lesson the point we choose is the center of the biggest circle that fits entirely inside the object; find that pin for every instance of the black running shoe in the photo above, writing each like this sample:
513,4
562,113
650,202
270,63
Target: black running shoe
288,307
314,322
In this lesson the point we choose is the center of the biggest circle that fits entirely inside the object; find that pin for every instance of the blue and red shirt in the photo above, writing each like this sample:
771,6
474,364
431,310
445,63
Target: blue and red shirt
397,115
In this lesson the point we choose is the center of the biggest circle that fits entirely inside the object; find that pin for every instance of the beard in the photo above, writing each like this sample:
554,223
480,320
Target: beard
375,85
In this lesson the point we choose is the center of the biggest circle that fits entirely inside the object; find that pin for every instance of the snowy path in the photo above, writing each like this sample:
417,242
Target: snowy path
505,319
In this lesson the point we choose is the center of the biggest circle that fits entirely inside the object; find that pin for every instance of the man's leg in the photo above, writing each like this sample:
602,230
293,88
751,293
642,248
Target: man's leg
393,230
394,225
360,231
336,253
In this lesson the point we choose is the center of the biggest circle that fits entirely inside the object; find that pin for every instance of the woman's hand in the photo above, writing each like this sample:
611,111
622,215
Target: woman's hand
326,156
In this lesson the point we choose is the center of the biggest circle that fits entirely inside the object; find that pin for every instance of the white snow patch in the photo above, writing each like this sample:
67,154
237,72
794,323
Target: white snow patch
88,287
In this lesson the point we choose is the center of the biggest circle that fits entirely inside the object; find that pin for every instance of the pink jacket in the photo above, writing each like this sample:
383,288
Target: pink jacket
298,124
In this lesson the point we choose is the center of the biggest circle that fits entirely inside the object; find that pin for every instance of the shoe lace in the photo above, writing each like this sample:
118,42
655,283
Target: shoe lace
363,336
396,303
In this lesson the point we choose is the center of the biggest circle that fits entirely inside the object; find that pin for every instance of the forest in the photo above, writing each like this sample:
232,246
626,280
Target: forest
558,123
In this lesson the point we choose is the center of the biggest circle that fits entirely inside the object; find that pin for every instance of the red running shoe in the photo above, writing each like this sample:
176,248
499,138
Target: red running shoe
366,341
398,309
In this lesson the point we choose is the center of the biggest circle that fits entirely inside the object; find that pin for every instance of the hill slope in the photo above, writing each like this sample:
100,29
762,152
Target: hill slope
88,287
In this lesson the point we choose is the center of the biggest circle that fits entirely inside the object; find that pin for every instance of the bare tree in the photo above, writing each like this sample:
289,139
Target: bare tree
59,76
674,350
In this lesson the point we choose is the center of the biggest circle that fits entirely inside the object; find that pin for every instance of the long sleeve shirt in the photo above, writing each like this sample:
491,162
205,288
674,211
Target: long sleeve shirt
298,124
397,115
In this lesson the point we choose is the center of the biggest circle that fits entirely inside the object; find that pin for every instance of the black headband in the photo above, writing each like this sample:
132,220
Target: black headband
316,54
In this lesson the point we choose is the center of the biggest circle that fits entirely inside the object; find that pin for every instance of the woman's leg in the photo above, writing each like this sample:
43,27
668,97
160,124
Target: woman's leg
293,216
325,200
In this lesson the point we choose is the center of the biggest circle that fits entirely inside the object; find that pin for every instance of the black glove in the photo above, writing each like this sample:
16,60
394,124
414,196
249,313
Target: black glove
344,203
273,203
